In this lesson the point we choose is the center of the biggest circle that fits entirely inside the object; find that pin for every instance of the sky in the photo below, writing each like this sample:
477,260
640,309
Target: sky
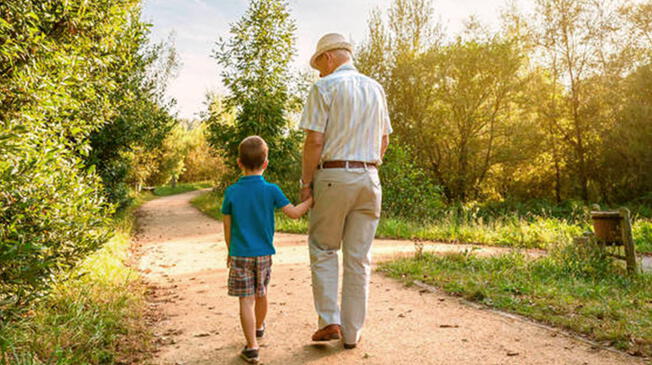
197,24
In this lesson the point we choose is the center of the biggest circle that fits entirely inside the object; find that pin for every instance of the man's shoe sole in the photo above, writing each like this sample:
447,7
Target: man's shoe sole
333,337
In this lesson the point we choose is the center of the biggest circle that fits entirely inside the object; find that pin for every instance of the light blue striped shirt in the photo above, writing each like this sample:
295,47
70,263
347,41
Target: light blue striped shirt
351,110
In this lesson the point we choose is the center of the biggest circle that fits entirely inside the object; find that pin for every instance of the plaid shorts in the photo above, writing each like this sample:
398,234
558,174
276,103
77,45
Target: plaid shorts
249,276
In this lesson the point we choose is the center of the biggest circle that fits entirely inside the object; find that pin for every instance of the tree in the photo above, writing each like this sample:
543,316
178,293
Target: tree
255,61
143,117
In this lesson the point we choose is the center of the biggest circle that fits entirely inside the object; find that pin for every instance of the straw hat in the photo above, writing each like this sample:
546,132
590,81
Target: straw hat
330,42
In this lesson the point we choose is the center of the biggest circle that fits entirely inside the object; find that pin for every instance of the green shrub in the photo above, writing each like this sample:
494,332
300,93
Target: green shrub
642,232
407,191
93,315
51,216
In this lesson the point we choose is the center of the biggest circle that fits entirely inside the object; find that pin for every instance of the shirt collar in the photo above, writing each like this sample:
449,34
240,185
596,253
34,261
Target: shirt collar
348,66
251,178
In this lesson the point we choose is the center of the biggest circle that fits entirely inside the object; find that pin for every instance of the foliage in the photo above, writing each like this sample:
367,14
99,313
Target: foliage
201,162
51,217
626,165
95,318
184,155
407,191
570,288
255,62
553,106
61,63
142,120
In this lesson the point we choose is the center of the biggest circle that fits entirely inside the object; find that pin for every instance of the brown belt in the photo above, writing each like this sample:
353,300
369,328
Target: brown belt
342,164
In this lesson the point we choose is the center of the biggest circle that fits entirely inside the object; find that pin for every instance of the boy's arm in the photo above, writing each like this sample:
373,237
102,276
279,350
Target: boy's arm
296,212
226,219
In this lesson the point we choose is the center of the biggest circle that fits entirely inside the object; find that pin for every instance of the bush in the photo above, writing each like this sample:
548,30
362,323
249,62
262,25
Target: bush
407,191
51,216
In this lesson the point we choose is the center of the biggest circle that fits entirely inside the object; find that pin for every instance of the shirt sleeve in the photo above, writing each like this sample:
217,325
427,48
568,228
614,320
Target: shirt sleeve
226,203
315,112
387,124
280,200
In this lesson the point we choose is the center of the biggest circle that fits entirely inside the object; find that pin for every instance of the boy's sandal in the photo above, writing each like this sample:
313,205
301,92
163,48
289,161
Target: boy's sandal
249,355
261,332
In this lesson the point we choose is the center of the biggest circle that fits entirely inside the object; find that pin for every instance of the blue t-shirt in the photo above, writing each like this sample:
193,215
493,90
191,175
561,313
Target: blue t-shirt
251,202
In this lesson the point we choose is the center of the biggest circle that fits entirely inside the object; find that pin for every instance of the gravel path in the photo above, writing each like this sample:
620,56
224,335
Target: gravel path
182,257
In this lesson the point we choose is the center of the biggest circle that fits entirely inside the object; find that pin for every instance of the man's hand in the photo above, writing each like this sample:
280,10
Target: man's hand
228,262
306,193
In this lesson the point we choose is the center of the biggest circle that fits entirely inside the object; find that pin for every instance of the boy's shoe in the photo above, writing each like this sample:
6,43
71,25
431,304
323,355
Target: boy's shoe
261,332
328,333
249,355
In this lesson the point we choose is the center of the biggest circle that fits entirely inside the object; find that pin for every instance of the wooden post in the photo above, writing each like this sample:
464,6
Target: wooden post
628,240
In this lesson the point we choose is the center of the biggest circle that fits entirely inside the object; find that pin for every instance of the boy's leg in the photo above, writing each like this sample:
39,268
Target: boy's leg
248,320
261,311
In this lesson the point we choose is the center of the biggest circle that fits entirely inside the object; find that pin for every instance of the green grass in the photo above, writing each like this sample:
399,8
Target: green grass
584,293
180,188
93,316
536,232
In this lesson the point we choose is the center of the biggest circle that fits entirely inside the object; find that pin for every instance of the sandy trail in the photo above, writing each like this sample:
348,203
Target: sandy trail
182,257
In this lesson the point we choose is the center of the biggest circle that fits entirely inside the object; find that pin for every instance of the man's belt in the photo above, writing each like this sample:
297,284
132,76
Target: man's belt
343,164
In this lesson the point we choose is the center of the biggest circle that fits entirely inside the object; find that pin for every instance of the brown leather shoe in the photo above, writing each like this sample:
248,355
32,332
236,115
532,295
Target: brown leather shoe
328,333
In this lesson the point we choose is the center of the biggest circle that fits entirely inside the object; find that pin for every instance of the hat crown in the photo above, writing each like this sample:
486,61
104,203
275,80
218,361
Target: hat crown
330,38
329,42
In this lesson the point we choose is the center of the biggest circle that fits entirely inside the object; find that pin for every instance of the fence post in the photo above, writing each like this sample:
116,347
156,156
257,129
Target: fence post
628,240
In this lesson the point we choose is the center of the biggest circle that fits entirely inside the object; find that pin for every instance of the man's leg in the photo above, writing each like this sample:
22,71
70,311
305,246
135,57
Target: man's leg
332,201
248,320
359,232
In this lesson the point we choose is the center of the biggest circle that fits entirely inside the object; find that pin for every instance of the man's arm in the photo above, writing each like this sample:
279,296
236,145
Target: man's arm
383,146
226,219
296,212
312,148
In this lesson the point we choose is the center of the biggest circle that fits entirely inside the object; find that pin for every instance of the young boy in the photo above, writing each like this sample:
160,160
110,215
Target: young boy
248,210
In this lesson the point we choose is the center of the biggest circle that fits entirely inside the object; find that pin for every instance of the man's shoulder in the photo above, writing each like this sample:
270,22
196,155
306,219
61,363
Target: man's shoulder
338,78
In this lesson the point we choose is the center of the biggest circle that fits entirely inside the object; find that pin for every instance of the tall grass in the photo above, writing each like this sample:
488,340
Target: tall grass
93,315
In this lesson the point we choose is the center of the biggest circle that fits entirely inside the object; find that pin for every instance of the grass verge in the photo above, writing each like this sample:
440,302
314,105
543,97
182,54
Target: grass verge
93,316
180,188
587,294
507,232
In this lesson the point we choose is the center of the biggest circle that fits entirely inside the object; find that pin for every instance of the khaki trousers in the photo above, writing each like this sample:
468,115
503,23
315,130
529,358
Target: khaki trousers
345,215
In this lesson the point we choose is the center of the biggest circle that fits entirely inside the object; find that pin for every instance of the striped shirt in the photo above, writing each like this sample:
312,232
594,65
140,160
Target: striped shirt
351,110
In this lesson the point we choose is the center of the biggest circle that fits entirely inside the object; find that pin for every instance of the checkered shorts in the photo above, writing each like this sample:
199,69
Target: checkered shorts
249,276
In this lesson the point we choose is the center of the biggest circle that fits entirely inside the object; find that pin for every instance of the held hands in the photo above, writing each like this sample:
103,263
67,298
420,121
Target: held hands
306,193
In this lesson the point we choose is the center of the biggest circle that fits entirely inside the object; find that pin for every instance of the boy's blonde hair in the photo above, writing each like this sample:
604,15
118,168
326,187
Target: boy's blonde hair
253,152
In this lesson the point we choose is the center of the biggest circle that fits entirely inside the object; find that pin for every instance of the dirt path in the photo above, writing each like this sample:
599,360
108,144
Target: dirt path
183,255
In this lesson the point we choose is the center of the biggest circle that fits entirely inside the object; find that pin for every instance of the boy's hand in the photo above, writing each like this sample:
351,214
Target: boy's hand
311,201
228,261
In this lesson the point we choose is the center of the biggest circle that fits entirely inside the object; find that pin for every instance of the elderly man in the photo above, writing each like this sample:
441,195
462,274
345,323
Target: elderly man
347,132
